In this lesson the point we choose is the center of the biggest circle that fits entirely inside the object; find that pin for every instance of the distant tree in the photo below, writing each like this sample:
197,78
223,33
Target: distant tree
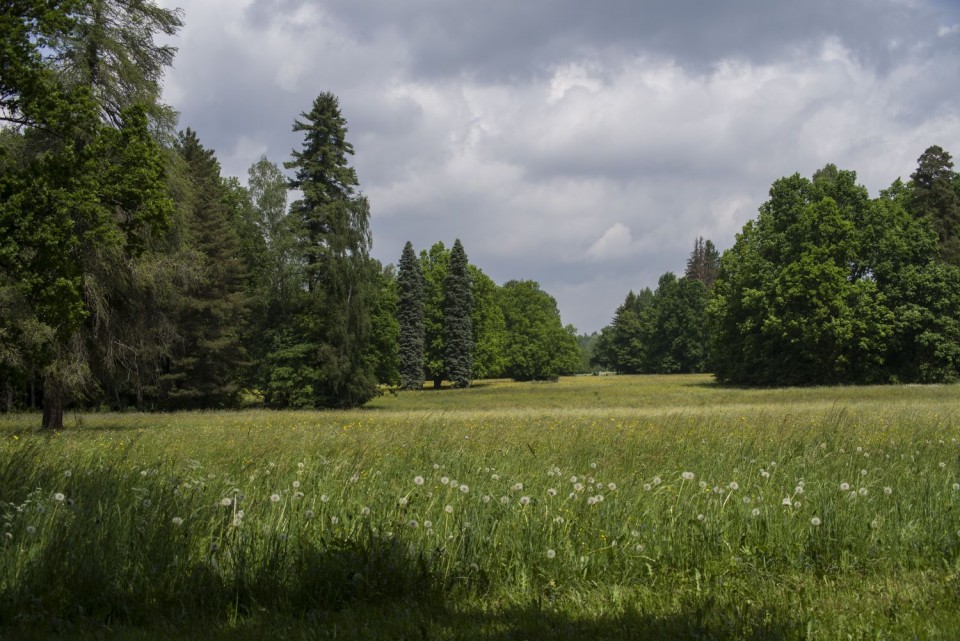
538,345
704,262
457,321
489,328
621,346
675,335
339,277
935,195
433,263
410,309
385,328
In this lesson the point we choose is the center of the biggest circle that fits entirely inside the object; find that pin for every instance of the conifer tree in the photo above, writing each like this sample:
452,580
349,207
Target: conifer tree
704,262
457,321
935,196
332,329
410,307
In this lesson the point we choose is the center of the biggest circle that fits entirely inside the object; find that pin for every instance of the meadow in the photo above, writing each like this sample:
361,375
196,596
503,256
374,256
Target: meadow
594,507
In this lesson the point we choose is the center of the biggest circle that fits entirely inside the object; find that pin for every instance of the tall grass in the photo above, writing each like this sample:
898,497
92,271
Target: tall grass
739,513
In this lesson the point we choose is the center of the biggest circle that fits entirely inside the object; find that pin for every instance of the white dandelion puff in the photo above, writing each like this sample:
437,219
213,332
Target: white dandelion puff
59,497
428,524
310,514
504,500
688,476
226,502
486,498
815,521
177,521
517,487
755,511
444,480
844,487
888,490
551,554
334,520
274,498
412,524
418,480
296,485
611,486
551,492
657,480
364,511
524,500
787,502
402,501
448,509
733,486
646,487
464,488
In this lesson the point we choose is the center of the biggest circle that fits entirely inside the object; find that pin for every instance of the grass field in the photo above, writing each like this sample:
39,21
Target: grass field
596,507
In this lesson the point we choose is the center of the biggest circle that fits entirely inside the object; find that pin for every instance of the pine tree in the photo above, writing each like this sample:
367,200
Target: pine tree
936,197
704,262
457,321
410,308
212,314
339,277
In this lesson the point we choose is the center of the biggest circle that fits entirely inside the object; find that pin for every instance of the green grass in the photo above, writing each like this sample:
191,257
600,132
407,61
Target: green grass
311,524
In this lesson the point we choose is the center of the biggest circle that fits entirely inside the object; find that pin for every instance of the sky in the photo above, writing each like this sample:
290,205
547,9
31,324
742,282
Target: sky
584,145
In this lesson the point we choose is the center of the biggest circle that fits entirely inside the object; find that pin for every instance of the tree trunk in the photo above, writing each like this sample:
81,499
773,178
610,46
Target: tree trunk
52,404
437,382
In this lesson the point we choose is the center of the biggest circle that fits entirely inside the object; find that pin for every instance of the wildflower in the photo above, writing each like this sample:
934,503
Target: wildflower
486,498
310,514
226,502
412,524
444,480
687,476
551,554
646,487
517,487
504,500
862,491
551,492
755,511
296,484
656,480
364,511
787,502
448,509
402,501
177,521
418,480
844,487
334,520
611,486
524,500
324,498
559,520
863,472
578,487
815,521
428,524
31,530
68,473
464,488
734,486
888,490
700,517
274,498
59,497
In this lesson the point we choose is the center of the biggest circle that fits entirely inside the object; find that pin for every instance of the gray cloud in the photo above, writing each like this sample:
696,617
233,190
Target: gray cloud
581,145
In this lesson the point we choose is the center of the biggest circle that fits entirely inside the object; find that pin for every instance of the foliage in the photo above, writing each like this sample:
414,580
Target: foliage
538,345
384,351
433,264
457,319
816,288
489,328
704,262
410,311
339,277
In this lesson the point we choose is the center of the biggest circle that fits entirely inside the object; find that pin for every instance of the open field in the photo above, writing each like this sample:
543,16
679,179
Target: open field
596,507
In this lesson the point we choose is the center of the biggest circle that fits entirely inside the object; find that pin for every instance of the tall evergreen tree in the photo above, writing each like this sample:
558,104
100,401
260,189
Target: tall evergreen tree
333,325
208,360
457,321
935,195
433,264
410,308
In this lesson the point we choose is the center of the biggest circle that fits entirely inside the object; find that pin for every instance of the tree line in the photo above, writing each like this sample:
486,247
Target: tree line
825,286
133,274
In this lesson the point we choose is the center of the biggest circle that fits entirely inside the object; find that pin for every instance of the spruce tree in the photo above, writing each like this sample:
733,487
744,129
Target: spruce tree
704,262
333,325
457,321
935,196
410,315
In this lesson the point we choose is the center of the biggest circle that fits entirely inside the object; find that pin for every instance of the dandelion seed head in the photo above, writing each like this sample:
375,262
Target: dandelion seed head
593,466
657,480
298,495
147,502
863,472
551,492
428,524
787,502
524,500
448,509
274,498
942,465
734,486
755,511
551,554
612,486
486,498
646,487
324,498
591,500
815,521
517,487
310,514
296,484
454,483
687,476
559,520
444,480
956,486
464,488
798,489
68,473
436,466
226,502
418,480
888,490
764,474
334,520
59,496
844,487
402,501
412,524
862,491
700,517
495,477
177,520
504,500
364,511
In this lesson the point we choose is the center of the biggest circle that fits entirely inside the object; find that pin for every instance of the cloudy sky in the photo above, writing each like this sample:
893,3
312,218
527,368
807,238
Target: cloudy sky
584,145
